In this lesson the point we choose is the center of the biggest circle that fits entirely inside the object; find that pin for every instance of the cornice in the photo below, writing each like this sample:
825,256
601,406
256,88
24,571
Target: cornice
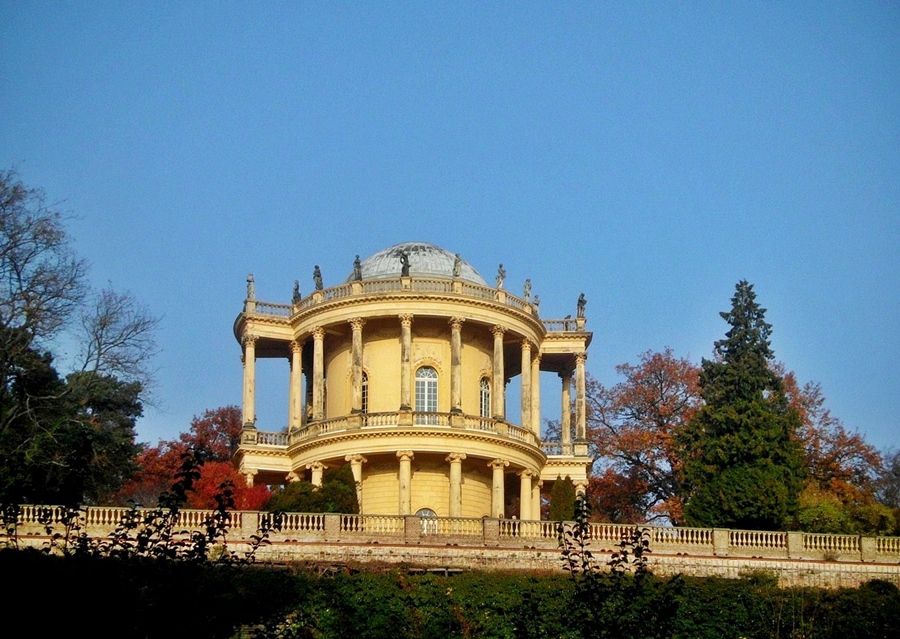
416,433
417,296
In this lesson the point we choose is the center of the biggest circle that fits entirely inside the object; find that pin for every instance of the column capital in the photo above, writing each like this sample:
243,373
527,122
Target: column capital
527,345
357,323
455,457
406,319
249,340
296,347
355,459
405,455
318,332
563,375
498,463
525,474
456,322
498,330
317,465
292,477
580,358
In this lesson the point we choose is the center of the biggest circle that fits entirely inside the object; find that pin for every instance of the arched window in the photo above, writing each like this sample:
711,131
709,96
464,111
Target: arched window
365,392
426,394
485,397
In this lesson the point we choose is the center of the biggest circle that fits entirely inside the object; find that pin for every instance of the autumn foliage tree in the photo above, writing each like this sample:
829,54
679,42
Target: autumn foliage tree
213,438
842,469
630,428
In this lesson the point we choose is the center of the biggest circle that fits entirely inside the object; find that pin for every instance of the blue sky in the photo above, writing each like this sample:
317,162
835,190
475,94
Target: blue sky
647,154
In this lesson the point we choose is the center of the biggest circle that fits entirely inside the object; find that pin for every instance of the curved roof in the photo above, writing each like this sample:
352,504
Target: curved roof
425,260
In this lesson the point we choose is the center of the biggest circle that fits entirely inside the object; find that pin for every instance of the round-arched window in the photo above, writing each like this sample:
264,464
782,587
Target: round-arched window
429,526
426,393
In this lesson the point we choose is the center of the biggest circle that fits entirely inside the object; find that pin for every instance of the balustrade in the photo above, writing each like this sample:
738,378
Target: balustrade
270,308
391,420
831,543
758,539
416,285
102,521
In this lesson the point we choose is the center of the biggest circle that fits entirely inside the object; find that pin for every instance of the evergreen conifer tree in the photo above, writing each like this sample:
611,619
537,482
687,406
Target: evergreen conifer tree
562,500
742,464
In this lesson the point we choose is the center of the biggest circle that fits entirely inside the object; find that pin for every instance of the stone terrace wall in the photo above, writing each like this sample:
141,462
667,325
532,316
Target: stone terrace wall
502,544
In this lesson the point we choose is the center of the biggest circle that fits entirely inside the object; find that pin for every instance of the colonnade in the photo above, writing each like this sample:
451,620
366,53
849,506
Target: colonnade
530,378
529,484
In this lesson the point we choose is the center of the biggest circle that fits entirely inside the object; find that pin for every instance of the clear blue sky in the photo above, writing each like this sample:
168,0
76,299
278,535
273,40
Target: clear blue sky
648,154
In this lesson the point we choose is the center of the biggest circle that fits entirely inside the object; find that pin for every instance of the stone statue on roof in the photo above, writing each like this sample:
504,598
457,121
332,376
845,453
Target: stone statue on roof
581,304
251,287
404,264
357,269
526,293
457,265
317,277
296,296
501,275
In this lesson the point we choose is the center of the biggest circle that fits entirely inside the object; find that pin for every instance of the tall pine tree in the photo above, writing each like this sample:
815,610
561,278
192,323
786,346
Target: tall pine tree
742,464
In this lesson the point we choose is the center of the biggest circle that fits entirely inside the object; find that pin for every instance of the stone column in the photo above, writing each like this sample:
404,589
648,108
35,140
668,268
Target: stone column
499,489
498,387
525,495
536,395
250,379
405,457
580,399
405,361
581,487
356,462
536,499
456,364
455,460
317,469
318,373
295,411
526,384
356,364
566,416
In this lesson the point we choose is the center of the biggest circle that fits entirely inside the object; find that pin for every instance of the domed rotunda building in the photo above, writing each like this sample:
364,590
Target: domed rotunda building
401,371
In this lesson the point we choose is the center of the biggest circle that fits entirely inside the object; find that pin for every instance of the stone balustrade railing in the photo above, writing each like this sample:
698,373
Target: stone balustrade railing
497,533
396,419
412,285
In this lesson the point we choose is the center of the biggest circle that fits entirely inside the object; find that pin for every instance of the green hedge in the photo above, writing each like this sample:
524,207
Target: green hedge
149,598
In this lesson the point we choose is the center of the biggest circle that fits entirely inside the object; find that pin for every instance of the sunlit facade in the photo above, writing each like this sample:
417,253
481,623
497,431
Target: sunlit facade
402,371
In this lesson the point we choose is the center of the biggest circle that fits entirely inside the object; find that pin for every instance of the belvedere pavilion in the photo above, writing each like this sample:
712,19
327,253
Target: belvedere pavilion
402,371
